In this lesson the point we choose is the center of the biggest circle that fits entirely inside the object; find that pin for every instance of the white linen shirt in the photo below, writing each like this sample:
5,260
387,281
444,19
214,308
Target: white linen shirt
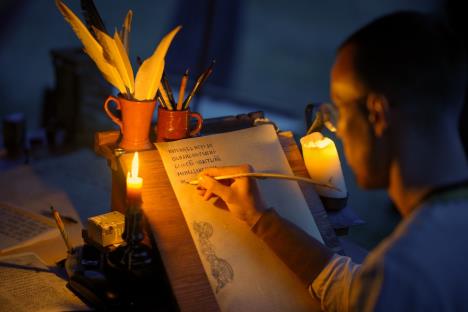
421,266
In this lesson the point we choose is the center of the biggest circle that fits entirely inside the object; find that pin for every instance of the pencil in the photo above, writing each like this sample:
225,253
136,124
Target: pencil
65,219
183,85
268,176
61,228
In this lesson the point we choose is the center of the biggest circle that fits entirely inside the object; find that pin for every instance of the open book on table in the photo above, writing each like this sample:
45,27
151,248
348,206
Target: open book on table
244,273
27,284
20,228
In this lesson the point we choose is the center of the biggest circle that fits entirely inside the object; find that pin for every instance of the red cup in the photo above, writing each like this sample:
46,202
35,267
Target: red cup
135,122
175,124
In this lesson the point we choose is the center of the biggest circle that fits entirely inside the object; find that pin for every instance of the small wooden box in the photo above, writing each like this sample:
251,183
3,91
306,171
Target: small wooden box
106,229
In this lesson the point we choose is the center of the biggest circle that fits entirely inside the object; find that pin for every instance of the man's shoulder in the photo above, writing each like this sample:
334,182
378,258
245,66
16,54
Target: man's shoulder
423,260
435,226
437,231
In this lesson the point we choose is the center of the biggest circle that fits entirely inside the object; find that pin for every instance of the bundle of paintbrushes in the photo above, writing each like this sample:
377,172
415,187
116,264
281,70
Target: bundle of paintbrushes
111,54
166,98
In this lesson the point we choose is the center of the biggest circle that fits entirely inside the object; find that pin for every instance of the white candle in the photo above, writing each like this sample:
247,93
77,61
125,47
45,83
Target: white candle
134,182
323,164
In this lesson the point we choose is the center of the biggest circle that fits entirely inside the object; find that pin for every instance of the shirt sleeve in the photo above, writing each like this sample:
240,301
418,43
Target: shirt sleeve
334,280
333,285
345,286
303,254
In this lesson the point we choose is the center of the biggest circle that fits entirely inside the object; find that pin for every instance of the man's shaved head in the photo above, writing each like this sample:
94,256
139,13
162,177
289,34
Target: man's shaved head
413,59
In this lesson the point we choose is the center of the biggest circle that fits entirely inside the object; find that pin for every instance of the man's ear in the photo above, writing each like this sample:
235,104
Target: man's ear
379,117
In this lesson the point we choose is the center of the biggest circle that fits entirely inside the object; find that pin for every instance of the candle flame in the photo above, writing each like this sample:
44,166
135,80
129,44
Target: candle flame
135,165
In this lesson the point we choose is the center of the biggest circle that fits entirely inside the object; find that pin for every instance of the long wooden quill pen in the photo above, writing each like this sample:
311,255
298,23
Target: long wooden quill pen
257,175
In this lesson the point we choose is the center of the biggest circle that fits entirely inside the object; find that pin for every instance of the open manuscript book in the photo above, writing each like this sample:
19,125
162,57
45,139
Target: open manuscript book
244,273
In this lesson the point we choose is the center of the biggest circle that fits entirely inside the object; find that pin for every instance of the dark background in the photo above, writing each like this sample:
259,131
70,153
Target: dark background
273,55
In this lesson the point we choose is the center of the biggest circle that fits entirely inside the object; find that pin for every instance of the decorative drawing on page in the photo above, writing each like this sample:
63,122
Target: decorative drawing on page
221,270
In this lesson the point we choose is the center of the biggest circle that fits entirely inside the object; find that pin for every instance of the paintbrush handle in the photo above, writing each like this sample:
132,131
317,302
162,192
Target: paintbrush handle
183,85
167,87
192,93
200,81
197,87
269,176
166,99
160,99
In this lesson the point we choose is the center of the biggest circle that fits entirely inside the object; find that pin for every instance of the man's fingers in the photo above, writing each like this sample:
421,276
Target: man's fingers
219,203
207,195
213,186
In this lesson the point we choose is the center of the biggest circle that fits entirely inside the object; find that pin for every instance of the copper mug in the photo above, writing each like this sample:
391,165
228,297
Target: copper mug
175,124
135,122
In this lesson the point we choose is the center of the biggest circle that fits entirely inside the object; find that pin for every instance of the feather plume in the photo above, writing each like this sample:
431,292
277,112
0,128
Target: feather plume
126,61
148,78
92,17
92,47
94,21
119,58
126,27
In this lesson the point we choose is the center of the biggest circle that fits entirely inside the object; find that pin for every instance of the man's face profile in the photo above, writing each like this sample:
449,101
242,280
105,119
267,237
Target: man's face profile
361,147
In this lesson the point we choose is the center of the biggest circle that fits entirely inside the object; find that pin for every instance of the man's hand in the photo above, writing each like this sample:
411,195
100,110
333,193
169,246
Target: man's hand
303,254
241,195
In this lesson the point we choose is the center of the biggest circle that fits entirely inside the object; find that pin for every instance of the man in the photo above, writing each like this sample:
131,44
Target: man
398,85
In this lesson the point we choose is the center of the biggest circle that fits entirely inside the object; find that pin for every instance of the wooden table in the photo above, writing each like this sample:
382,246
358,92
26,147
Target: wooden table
183,266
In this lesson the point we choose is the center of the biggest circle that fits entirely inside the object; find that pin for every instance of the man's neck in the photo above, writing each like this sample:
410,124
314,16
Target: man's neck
423,163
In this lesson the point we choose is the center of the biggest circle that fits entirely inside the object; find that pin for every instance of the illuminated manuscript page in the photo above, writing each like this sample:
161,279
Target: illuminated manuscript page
244,273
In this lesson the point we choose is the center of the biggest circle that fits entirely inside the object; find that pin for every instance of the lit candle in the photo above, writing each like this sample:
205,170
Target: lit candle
134,182
323,164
